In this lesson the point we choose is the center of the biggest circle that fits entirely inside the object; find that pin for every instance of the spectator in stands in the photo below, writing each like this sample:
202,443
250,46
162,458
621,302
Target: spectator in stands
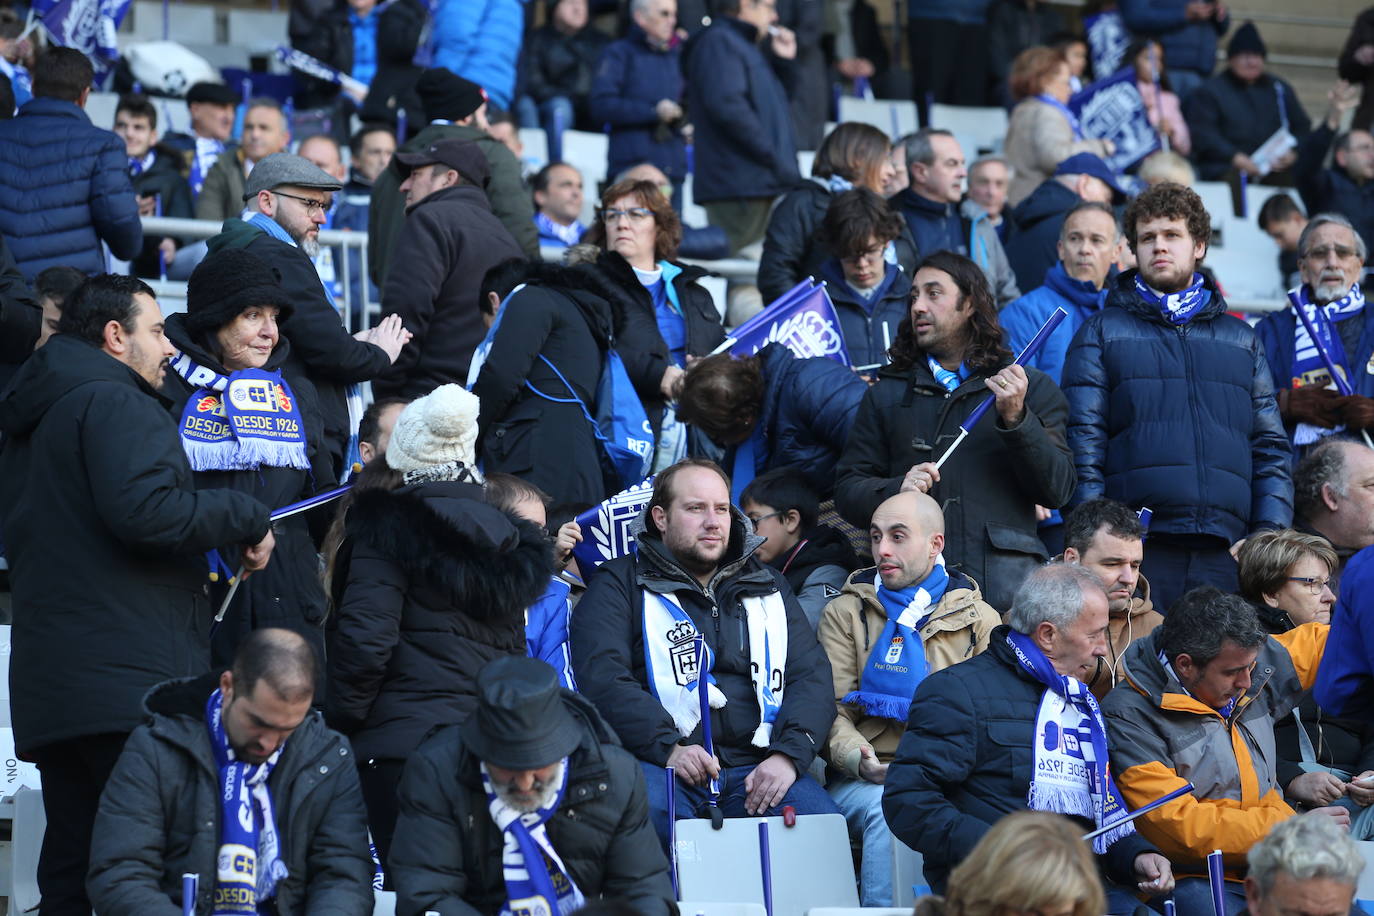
1087,247
1107,539
156,177
1235,113
1166,165
557,65
288,202
930,204
430,583
948,355
211,106
374,432
1040,217
1356,65
65,182
1043,132
1330,498
853,155
1187,30
23,320
265,132
227,341
480,41
449,241
856,45
745,149
105,545
1164,336
558,203
695,577
637,91
486,792
1161,103
301,843
53,287
14,47
869,293
988,180
325,153
707,243
1283,221
981,741
371,149
893,626
773,410
1014,26
1347,187
1202,658
548,347
948,47
1305,863
809,91
668,315
455,108
814,558
1331,260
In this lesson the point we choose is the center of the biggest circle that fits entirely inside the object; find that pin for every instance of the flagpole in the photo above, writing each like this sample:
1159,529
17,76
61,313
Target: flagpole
803,287
1181,791
1342,384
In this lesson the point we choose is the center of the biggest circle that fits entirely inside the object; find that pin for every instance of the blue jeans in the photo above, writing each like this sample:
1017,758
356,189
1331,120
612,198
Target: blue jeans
1184,82
1176,565
1193,897
861,803
555,115
806,796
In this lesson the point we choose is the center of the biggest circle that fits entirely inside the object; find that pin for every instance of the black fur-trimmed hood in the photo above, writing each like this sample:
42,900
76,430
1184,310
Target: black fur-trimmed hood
486,562
591,284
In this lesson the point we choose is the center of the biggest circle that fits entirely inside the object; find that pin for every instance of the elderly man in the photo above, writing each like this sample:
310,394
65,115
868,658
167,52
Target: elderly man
891,627
988,179
1304,865
1331,258
529,806
1040,217
1017,728
211,108
265,132
1198,705
1347,187
1333,496
235,778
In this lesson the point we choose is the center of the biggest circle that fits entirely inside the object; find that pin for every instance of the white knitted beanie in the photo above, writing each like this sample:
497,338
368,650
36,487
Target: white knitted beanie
439,428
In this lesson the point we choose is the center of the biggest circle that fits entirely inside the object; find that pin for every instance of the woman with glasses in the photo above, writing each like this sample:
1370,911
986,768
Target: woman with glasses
1321,760
669,318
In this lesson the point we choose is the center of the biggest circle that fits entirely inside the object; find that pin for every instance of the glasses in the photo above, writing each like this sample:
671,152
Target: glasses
755,519
1313,585
312,206
635,214
872,254
1323,252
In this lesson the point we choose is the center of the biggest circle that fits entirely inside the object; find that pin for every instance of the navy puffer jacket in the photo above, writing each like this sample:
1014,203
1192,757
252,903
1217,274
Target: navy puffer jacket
1180,419
64,188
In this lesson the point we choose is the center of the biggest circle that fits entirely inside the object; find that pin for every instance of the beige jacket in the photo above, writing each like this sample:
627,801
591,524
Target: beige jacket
1038,139
852,623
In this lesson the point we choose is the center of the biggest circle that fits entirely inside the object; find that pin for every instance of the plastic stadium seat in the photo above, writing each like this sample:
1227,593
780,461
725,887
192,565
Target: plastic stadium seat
978,129
908,873
893,117
721,909
186,22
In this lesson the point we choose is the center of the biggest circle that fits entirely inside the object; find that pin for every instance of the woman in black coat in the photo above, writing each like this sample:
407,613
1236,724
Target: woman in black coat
233,306
429,584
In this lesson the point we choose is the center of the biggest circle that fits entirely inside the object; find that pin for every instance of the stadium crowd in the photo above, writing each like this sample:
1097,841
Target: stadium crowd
1014,530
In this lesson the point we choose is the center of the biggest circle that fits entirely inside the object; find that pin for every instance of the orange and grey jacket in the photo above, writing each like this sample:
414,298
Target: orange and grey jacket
1161,738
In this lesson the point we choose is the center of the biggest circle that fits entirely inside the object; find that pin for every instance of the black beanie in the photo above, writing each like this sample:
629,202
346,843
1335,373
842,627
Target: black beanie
226,284
447,96
1246,39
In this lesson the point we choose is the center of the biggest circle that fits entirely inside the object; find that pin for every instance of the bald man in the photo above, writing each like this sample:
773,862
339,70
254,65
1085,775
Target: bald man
891,626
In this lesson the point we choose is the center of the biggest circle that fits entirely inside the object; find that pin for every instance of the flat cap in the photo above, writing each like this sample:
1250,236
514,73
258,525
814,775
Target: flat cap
282,169
214,93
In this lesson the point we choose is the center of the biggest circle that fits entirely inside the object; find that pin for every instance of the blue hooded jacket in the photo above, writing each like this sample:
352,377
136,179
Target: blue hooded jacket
480,40
1024,317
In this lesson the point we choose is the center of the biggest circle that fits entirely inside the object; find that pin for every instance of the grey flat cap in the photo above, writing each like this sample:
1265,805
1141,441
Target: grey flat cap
281,169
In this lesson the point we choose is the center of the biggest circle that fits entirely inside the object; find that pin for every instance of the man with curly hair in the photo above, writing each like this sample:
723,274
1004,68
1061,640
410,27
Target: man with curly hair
1171,404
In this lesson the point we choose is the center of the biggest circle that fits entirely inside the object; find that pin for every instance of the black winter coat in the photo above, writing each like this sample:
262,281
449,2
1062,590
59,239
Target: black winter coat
988,491
320,346
448,243
21,319
1226,116
561,315
106,534
430,584
553,64
966,760
160,814
327,35
446,856
631,79
163,179
869,326
792,249
608,654
288,592
1332,190
1033,248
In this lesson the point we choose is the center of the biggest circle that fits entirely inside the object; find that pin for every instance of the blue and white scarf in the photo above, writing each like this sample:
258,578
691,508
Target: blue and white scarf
1065,111
1070,775
250,862
241,421
139,165
897,663
1177,308
1308,366
568,235
206,154
950,380
353,393
671,642
537,881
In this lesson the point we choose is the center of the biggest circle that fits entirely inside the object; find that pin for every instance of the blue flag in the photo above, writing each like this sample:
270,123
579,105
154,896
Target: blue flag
1112,109
88,26
1108,40
606,527
803,320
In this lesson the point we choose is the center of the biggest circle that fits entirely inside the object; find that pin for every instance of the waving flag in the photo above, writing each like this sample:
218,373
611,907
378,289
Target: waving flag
802,319
606,527
1112,109
89,26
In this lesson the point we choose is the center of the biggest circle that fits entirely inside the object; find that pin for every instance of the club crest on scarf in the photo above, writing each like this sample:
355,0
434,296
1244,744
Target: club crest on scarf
240,421
537,881
1177,308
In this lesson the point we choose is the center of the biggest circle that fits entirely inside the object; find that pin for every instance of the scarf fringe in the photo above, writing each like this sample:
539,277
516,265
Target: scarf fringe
881,705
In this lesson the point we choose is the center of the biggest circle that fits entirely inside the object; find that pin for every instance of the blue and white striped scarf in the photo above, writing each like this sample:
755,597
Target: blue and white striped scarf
897,663
537,881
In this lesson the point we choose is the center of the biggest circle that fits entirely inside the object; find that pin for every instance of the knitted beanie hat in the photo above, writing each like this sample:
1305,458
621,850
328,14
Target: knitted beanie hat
1246,40
435,430
444,94
226,284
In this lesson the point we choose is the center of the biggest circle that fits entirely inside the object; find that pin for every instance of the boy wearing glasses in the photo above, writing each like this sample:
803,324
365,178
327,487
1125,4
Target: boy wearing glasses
869,292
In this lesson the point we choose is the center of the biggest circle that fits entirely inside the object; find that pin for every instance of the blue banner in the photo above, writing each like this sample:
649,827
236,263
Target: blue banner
1112,109
606,527
88,26
1108,40
803,320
